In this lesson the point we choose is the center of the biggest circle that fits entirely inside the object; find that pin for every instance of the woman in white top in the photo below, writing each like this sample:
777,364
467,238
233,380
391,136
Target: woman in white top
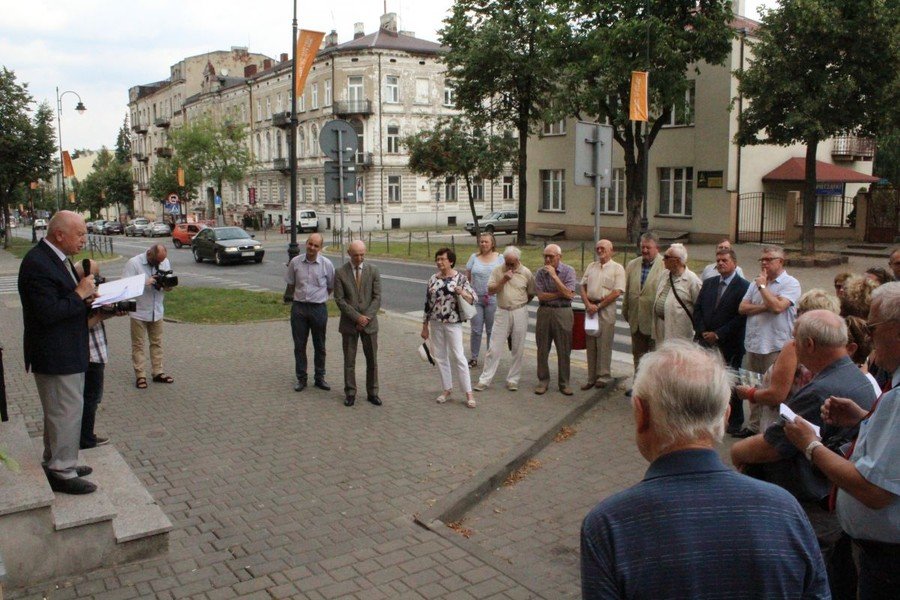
478,270
674,319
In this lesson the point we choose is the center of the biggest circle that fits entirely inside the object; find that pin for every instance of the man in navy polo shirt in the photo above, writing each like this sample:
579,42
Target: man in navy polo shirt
693,528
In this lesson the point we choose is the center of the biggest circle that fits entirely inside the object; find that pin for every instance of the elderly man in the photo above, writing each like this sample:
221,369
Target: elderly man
770,308
676,293
693,528
55,305
147,320
310,280
357,293
868,484
513,284
641,278
555,285
602,284
718,324
711,270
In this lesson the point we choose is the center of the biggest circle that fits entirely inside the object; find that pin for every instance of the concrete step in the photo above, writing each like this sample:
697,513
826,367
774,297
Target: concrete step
26,488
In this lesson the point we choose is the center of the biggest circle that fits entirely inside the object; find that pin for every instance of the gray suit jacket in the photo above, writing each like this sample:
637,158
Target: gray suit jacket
352,302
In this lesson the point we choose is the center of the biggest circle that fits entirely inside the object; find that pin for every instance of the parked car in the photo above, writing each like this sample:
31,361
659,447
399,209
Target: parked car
40,223
113,228
183,233
307,220
157,228
502,220
137,227
226,244
98,227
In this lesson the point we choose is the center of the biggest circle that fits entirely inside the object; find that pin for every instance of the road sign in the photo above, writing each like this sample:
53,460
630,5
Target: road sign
218,201
332,188
328,139
172,205
593,154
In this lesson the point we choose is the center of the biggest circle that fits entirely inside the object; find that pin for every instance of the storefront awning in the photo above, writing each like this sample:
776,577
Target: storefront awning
794,169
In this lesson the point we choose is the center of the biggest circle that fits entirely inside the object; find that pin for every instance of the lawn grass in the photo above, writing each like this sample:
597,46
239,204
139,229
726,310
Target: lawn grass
19,247
218,305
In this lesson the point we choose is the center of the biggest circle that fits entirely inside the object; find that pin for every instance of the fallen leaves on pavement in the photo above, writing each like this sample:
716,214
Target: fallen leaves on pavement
564,434
522,472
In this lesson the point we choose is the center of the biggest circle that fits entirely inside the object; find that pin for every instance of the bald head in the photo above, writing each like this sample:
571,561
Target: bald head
313,246
552,249
357,252
156,254
604,249
67,231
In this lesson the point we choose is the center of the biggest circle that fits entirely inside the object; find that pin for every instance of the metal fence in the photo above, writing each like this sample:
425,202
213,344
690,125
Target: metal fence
761,218
100,244
831,211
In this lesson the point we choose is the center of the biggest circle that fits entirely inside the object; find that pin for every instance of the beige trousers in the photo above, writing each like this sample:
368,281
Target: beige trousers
140,330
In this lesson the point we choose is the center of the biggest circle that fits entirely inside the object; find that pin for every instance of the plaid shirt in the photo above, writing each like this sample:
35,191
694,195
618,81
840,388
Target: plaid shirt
97,343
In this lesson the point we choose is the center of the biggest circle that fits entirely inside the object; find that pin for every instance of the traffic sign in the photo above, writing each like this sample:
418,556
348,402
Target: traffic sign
328,139
593,154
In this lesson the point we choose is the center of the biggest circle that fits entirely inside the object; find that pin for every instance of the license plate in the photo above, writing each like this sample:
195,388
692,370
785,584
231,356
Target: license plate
248,253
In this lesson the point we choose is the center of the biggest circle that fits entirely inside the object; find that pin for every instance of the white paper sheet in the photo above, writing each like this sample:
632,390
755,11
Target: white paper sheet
121,289
592,322
790,415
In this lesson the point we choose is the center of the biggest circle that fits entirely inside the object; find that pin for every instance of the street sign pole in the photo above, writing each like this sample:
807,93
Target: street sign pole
340,145
593,162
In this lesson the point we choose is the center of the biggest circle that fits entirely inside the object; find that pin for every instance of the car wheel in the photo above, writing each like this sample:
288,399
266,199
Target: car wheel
220,259
489,229
197,256
258,259
177,243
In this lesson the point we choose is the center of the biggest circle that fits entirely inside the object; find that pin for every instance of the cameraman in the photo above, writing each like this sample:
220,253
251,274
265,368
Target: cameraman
148,318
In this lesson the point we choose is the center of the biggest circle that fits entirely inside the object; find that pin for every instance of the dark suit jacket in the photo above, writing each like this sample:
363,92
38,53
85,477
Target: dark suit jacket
56,331
723,319
352,303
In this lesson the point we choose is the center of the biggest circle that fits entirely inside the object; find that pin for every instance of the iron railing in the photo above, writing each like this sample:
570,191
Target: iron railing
831,211
761,218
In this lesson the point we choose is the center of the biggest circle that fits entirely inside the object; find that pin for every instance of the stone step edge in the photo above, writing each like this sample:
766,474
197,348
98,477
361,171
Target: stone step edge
27,489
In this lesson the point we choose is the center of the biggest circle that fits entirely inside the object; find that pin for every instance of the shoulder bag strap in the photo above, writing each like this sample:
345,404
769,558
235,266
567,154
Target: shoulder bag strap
675,293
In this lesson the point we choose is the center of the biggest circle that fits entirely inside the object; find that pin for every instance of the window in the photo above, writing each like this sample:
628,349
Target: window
394,188
258,147
614,197
449,93
278,153
268,145
450,189
243,113
555,128
314,96
268,108
422,90
313,140
393,139
553,189
301,103
279,104
683,112
392,89
355,89
508,187
327,92
315,190
301,142
478,189
676,191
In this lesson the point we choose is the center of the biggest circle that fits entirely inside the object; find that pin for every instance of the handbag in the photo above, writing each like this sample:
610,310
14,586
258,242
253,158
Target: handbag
464,309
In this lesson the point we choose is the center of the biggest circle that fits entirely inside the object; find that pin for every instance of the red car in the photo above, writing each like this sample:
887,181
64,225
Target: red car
183,233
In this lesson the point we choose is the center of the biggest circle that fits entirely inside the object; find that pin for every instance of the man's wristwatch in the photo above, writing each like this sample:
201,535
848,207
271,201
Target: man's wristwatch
762,286
809,449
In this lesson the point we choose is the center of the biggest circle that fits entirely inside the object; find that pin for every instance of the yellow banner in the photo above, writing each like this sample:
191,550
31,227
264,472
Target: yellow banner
308,43
180,177
68,169
638,110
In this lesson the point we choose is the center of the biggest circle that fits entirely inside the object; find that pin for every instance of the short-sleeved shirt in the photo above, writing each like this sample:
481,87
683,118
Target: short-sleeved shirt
516,291
543,283
480,273
877,458
150,303
313,280
440,297
768,332
601,280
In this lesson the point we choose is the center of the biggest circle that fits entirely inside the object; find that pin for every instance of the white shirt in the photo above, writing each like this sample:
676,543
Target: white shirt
150,303
768,332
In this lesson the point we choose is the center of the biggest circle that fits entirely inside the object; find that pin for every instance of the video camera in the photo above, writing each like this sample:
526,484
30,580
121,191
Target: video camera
164,279
117,307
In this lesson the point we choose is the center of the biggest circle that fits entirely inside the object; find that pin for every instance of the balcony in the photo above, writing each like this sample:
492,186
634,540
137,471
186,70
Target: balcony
140,157
162,122
143,187
352,107
282,164
364,159
164,152
139,128
851,147
282,120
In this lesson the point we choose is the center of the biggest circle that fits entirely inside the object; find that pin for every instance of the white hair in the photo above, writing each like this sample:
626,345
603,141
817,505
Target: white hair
823,327
680,252
512,251
778,251
888,297
686,389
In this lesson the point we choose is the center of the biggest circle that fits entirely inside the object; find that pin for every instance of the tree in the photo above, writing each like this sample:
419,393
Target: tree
109,183
456,148
887,158
123,143
609,40
27,147
164,180
813,75
218,152
499,62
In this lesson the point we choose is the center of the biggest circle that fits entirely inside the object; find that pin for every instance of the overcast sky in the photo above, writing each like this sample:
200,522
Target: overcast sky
100,48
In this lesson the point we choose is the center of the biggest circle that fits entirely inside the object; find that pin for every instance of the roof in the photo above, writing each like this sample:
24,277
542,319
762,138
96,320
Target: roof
794,169
387,40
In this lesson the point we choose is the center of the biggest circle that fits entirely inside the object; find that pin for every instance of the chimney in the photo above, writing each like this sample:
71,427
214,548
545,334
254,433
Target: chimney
283,57
389,22
249,70
267,64
358,30
331,39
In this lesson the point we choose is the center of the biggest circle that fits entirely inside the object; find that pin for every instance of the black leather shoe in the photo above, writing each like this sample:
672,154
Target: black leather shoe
349,400
299,386
75,485
323,385
102,441
374,400
83,470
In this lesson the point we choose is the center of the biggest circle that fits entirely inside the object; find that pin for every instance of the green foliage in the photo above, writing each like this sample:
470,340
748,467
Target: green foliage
123,143
109,183
607,41
164,180
455,147
216,305
499,61
887,158
813,75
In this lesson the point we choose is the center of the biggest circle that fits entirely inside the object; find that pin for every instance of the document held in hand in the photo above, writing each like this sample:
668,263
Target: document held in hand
592,322
788,415
120,289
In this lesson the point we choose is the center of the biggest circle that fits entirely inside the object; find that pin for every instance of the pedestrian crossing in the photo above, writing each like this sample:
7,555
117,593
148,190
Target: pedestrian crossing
9,284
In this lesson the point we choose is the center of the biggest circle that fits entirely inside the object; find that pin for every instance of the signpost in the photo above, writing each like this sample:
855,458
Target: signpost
338,141
593,162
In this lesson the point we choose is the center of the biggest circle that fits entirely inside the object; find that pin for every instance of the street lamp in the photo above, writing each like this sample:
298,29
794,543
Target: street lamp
79,108
293,248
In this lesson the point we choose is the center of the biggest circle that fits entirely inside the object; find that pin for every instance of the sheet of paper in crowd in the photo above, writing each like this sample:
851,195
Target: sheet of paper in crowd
118,290
790,415
592,322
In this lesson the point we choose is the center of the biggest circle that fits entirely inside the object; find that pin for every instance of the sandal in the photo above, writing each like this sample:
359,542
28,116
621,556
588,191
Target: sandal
471,403
141,383
473,363
163,378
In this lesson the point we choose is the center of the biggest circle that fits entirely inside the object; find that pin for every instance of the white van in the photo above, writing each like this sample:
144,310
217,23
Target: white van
307,220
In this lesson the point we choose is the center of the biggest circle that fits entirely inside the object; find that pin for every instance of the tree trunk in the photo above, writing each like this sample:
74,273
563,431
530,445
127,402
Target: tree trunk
523,184
468,181
808,235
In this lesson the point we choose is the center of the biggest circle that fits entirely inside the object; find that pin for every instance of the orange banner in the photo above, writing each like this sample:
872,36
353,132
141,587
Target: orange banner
308,43
180,177
638,111
68,169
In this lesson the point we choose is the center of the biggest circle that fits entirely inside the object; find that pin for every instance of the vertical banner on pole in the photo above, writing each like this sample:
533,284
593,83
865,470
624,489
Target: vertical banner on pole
308,43
638,105
68,169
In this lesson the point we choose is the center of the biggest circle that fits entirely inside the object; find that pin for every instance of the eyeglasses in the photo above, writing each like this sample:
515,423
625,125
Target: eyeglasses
669,256
766,259
546,256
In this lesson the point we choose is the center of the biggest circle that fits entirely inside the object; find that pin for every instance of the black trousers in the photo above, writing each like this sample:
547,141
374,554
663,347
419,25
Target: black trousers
306,318
93,394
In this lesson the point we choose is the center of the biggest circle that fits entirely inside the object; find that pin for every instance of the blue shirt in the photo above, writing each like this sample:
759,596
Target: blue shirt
544,283
313,280
768,332
695,529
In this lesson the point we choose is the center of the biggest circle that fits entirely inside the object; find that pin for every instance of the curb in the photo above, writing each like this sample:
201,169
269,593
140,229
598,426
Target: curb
454,506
